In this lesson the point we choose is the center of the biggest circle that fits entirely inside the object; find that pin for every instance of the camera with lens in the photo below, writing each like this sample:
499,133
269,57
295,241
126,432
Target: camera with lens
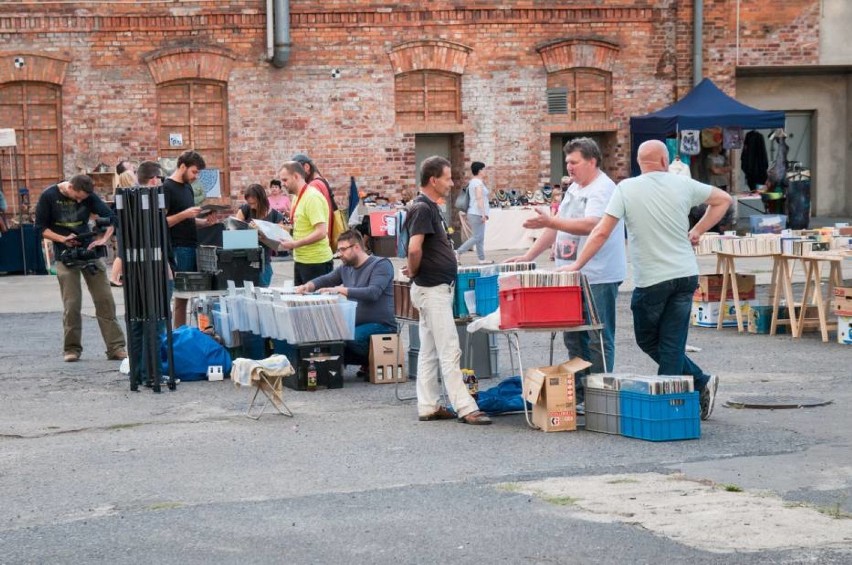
82,257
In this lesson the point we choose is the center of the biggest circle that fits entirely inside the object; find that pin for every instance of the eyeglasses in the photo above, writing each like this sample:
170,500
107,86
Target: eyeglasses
341,249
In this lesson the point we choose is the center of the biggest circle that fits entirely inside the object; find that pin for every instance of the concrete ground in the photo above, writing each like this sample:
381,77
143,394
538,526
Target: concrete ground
91,472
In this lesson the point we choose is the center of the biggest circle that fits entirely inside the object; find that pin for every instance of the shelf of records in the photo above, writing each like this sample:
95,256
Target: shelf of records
803,243
279,314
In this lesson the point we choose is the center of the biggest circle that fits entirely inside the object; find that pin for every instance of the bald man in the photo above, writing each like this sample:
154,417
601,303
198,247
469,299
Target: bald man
655,208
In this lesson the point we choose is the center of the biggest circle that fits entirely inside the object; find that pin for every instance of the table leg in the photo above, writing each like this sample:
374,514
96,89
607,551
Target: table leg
778,263
726,277
787,282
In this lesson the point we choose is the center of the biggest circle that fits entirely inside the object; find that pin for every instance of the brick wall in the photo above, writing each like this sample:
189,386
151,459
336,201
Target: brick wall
347,124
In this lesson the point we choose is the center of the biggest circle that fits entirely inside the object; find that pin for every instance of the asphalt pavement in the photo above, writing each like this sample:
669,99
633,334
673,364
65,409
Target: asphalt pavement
91,472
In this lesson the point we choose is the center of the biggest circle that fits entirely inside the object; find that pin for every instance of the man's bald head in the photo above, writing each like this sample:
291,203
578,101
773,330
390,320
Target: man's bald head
653,156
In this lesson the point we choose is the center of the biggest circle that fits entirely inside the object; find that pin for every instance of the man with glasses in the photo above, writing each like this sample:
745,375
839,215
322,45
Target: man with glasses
366,279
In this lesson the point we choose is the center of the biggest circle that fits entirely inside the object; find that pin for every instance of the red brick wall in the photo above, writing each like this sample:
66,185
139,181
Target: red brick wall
347,124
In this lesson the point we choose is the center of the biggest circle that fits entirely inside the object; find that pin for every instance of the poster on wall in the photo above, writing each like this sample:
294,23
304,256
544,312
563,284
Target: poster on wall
175,140
207,185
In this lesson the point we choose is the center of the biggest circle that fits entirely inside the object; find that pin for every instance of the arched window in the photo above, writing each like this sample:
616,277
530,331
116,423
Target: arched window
584,94
428,96
193,114
34,109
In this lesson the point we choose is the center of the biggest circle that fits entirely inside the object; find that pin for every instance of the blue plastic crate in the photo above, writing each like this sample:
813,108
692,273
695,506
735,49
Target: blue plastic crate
464,281
660,417
487,295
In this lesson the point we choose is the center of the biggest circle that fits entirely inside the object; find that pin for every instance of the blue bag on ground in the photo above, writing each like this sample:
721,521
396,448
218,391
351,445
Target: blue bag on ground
505,397
194,351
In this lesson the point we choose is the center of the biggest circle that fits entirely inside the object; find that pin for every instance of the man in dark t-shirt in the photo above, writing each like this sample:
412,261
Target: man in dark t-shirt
432,266
182,217
62,215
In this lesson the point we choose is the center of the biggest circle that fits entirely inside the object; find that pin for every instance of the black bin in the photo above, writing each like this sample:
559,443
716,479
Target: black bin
327,357
237,265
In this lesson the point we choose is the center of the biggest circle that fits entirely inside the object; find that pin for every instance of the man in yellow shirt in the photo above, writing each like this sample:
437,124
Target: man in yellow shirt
312,255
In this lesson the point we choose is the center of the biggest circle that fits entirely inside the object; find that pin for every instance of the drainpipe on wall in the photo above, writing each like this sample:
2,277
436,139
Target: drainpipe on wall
697,41
280,32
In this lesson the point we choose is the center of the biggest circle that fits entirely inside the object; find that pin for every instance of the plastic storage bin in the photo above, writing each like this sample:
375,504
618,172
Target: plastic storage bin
660,417
487,297
192,282
546,307
603,411
464,281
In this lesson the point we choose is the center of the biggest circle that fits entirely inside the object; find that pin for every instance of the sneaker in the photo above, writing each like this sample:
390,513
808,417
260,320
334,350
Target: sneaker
478,418
581,409
70,357
707,397
442,413
486,262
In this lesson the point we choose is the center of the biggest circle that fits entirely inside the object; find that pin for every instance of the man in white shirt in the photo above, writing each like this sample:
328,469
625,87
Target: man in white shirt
583,204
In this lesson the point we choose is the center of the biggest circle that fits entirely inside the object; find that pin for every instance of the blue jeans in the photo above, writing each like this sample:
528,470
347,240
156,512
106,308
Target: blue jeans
266,273
587,345
358,349
661,315
477,226
185,260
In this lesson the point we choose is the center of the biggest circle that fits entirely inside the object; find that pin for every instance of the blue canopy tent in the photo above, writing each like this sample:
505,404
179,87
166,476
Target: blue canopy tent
705,106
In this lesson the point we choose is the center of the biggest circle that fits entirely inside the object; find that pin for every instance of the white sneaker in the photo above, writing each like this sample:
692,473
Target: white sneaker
707,397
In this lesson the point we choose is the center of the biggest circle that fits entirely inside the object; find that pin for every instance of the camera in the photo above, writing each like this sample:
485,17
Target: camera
81,257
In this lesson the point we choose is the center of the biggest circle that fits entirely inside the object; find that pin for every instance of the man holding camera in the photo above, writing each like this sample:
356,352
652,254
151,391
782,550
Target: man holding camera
62,215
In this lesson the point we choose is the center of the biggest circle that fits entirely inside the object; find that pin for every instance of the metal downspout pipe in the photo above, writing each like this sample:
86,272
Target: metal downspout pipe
697,41
281,33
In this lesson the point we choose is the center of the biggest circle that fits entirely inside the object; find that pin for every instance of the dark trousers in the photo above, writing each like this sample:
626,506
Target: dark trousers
306,272
661,315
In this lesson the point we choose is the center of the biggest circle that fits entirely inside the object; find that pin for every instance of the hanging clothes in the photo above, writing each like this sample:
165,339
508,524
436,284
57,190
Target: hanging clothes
732,138
777,173
690,142
754,160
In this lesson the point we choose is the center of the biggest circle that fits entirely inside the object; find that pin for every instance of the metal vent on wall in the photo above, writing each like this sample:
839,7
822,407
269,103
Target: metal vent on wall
557,100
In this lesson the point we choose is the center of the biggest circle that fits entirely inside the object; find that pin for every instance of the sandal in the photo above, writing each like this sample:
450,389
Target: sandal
442,413
478,418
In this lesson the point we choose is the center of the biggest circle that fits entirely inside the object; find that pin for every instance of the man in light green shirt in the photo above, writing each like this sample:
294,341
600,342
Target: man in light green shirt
655,206
312,255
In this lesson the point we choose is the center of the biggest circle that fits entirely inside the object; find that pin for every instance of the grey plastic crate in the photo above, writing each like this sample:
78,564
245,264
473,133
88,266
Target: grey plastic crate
603,411
208,261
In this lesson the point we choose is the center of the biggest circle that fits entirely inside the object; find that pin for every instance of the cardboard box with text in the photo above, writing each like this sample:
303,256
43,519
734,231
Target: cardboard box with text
550,390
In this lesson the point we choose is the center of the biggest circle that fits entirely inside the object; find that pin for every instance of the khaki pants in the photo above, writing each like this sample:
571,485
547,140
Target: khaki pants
439,349
72,302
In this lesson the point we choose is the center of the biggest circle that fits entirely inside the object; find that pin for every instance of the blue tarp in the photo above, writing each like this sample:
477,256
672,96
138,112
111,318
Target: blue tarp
705,106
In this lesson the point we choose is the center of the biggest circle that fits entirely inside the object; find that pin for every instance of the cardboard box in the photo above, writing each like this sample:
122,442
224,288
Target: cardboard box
760,320
710,287
551,392
844,330
384,355
716,295
706,314
842,302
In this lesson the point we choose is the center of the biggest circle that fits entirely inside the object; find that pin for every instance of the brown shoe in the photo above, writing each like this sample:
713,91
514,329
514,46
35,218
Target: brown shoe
119,355
441,413
478,418
70,357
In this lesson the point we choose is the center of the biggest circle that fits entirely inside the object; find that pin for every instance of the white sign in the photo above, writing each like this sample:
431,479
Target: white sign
175,140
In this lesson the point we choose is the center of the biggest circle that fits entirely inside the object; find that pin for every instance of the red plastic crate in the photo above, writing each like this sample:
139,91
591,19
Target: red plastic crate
550,307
